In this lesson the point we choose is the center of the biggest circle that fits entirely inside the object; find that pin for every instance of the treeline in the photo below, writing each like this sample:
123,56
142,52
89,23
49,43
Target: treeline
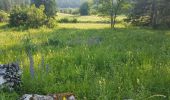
154,13
32,14
69,3
7,5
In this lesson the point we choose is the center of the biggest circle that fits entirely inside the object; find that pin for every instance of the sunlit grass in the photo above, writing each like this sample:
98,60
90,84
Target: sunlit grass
88,26
91,60
89,18
84,26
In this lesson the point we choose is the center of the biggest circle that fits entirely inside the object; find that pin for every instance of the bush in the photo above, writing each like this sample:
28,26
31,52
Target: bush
73,11
51,23
93,12
30,17
74,20
3,16
18,17
64,20
139,21
36,17
67,20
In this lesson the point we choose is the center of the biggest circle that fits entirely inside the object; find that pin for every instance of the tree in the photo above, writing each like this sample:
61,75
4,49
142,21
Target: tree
84,9
5,5
112,8
50,6
8,5
154,13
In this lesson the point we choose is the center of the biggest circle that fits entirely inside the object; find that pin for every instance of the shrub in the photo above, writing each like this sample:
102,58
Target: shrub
64,20
67,20
32,17
93,12
139,21
18,17
51,23
36,17
74,20
3,16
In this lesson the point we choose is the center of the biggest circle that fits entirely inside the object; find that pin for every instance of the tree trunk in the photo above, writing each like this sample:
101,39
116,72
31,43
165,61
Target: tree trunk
154,14
112,22
111,15
113,19
115,16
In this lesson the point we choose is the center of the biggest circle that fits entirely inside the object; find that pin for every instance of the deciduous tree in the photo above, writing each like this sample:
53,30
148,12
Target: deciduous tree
112,8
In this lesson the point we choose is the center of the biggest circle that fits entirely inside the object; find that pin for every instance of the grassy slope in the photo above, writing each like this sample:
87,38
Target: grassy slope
100,64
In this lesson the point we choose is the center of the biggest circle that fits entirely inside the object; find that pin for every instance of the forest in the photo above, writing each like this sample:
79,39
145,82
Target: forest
84,50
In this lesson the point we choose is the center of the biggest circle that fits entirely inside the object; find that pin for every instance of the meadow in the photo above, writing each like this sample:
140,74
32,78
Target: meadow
90,60
89,18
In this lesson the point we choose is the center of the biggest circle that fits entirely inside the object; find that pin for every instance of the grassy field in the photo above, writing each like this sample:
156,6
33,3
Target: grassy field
90,60
89,19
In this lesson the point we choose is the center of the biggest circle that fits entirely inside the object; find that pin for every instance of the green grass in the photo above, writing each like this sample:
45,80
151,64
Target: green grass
93,63
84,19
89,18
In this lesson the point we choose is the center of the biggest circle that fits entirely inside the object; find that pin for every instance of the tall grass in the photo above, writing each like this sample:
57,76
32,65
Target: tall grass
95,64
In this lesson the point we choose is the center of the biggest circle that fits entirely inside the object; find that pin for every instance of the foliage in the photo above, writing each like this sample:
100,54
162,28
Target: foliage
8,5
50,6
84,9
30,17
156,10
64,20
51,23
36,16
73,11
86,19
141,21
18,17
3,16
111,8
68,20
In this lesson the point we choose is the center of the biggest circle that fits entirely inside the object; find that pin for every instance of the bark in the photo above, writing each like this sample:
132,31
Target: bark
154,14
112,22
113,19
111,14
